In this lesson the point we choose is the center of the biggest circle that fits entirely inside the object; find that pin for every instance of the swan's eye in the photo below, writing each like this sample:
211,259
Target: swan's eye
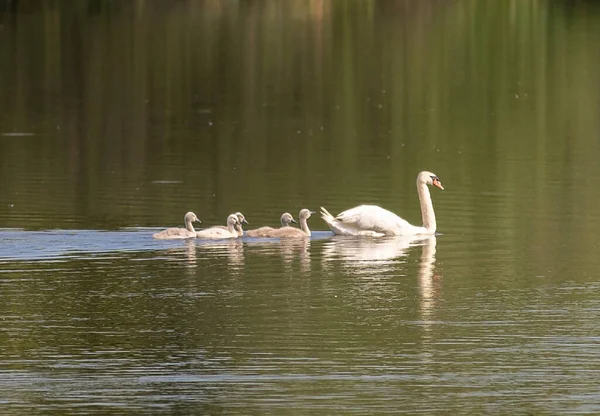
435,181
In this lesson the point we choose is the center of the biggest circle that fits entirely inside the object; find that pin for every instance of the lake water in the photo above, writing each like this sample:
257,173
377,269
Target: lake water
118,117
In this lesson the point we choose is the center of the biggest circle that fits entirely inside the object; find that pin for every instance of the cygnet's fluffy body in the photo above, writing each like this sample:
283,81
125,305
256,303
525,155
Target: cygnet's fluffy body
220,232
290,232
286,219
238,227
180,233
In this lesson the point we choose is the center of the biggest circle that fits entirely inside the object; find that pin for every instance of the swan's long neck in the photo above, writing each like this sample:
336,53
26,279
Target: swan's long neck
426,207
189,226
304,226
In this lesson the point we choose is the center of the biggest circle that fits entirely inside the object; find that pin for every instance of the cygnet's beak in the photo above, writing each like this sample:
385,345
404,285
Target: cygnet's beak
197,220
294,221
244,221
312,212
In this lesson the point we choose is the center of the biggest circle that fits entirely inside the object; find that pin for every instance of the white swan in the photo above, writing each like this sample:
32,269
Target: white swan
179,233
238,227
286,219
291,232
218,232
375,221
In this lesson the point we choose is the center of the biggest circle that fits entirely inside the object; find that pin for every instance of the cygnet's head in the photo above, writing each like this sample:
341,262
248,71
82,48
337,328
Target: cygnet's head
233,220
286,219
241,218
191,217
429,178
305,213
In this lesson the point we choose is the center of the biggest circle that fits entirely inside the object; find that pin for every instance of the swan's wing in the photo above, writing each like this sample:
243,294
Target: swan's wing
337,227
367,216
352,215
368,220
372,217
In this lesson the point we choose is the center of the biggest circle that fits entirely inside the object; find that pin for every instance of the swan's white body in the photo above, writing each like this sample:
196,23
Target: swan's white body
371,220
179,233
238,227
286,219
291,232
219,232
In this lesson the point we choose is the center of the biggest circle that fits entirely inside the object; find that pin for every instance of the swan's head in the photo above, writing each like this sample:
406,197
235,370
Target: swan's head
286,219
430,178
241,218
305,214
191,217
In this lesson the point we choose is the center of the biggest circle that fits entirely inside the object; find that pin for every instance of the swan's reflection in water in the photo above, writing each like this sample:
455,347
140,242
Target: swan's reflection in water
372,256
377,259
427,281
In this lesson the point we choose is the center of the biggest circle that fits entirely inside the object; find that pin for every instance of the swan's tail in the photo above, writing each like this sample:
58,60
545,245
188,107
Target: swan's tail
327,217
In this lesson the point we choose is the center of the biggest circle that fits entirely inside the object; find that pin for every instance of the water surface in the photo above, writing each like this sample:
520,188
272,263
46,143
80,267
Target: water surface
116,118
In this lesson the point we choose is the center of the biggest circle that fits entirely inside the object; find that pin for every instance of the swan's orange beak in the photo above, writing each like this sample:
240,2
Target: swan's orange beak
438,184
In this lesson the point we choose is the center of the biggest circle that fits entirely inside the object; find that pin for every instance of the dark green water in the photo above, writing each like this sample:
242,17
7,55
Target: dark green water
118,117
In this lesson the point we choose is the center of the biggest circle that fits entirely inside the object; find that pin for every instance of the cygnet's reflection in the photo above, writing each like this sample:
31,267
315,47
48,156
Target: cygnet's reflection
185,251
292,248
190,253
289,249
232,249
